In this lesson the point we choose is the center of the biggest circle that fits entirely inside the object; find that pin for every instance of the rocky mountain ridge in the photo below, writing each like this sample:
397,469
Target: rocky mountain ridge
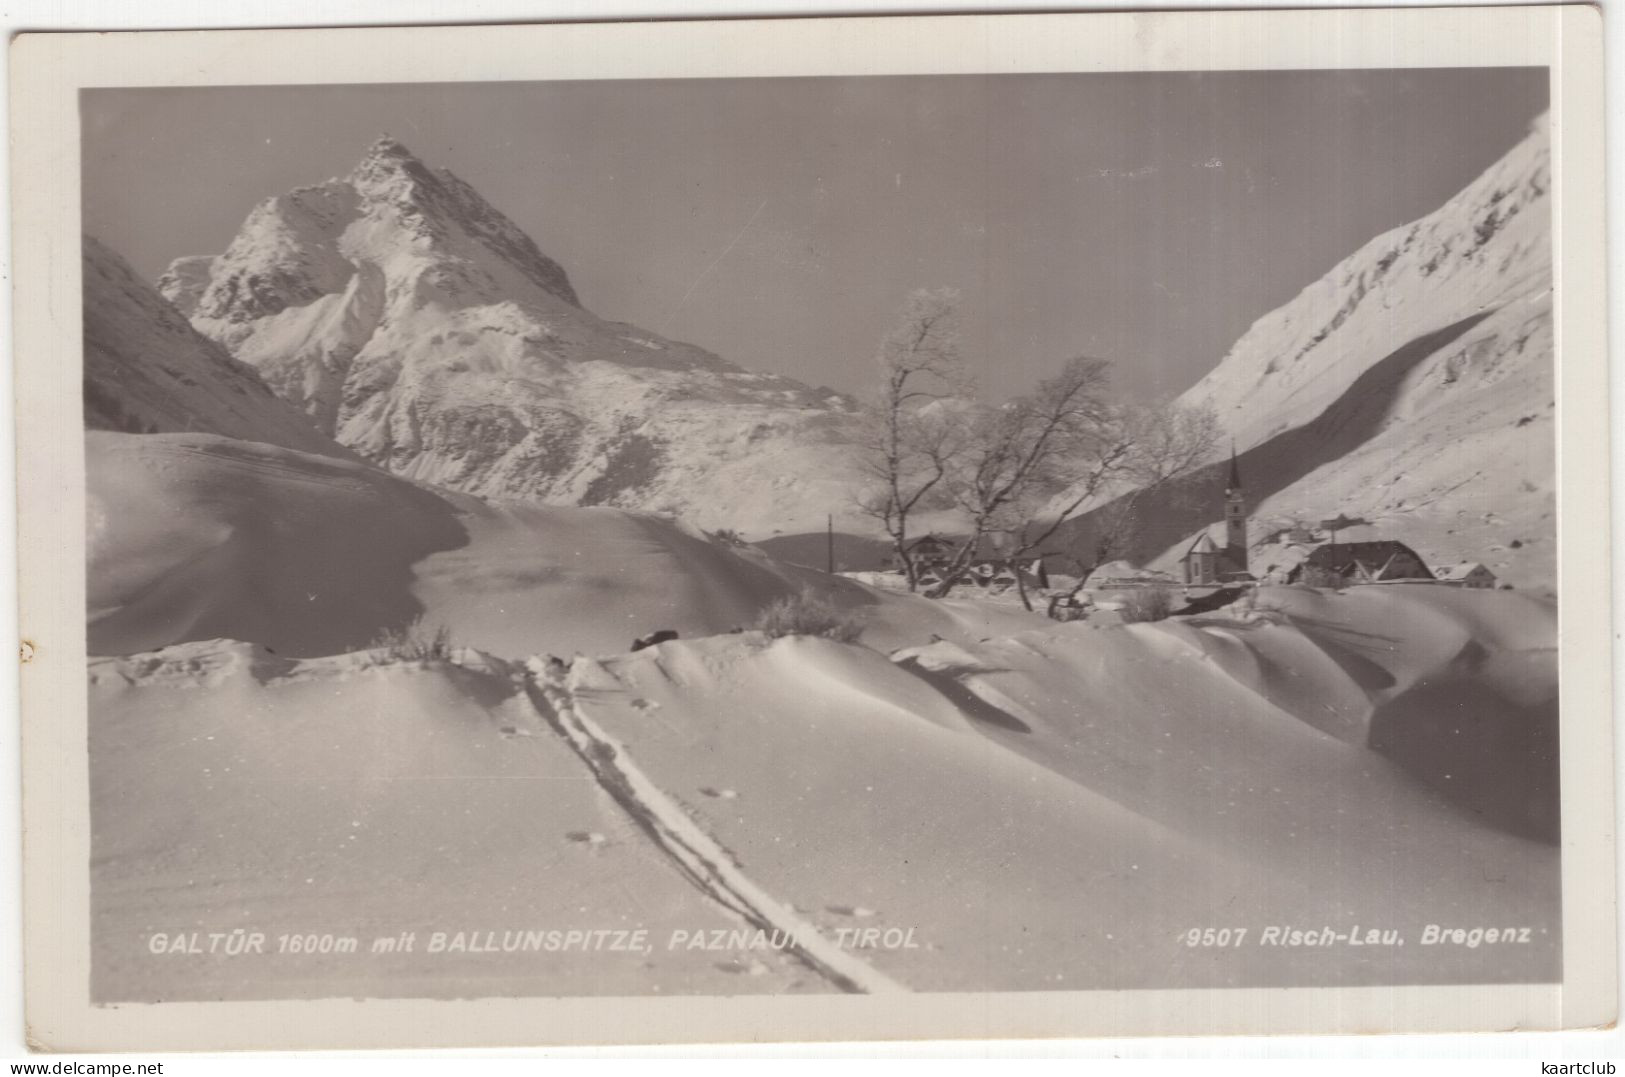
147,371
415,323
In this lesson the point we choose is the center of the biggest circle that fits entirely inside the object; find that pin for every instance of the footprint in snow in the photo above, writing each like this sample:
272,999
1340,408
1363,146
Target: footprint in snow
721,794
586,837
856,911
645,704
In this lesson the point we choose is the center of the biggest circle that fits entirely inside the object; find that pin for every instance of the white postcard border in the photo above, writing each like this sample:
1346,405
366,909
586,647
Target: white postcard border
48,70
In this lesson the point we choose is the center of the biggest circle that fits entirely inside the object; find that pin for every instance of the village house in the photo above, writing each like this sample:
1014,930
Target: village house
1222,560
987,568
1340,564
1466,574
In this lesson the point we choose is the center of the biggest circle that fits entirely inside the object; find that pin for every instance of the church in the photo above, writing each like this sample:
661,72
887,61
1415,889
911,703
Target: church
1208,564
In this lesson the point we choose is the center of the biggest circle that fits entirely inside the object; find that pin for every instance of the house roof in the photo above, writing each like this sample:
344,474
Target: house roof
1337,553
1372,556
1204,544
1125,570
985,549
1122,569
1460,571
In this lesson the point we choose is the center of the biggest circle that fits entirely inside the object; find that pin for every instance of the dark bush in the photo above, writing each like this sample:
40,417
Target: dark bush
1145,604
415,642
806,614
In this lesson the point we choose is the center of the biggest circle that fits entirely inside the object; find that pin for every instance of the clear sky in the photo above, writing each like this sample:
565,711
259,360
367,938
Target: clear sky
1148,219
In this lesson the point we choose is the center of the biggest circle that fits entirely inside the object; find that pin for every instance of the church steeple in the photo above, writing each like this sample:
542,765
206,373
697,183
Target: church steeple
1235,516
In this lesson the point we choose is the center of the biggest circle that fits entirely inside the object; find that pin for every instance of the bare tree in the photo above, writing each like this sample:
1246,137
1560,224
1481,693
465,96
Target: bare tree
1100,450
1015,456
1151,448
910,441
928,444
1164,443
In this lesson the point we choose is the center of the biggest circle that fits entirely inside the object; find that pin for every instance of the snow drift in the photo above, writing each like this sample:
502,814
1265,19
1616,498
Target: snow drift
356,798
193,537
1049,810
1061,804
1041,805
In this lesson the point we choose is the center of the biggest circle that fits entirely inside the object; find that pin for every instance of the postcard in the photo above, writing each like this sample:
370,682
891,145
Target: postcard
915,527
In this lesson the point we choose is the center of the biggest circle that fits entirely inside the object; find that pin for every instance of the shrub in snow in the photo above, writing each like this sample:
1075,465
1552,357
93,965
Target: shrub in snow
1319,576
1145,604
415,642
806,614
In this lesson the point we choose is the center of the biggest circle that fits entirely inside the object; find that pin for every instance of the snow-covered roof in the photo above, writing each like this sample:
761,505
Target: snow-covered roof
1121,572
1460,571
1204,544
1278,562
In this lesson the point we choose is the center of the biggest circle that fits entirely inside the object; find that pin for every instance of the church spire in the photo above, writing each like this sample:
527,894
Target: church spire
1235,518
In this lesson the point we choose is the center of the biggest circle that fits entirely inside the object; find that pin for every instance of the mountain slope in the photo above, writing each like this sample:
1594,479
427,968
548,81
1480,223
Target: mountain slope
1486,251
1411,387
415,323
147,371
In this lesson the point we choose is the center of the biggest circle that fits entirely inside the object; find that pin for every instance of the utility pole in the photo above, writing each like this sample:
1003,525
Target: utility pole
829,535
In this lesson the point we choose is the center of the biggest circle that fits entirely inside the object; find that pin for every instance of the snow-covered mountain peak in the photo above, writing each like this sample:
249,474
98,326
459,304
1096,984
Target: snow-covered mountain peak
438,239
387,148
433,211
285,255
418,324
389,171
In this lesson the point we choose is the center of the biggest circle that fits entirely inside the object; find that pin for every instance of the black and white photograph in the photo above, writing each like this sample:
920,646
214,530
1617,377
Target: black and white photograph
921,533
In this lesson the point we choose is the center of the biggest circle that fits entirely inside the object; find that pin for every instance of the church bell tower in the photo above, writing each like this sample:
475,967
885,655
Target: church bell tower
1235,517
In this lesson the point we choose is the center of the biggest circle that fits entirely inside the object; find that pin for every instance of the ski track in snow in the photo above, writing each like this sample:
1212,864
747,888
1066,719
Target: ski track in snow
695,853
